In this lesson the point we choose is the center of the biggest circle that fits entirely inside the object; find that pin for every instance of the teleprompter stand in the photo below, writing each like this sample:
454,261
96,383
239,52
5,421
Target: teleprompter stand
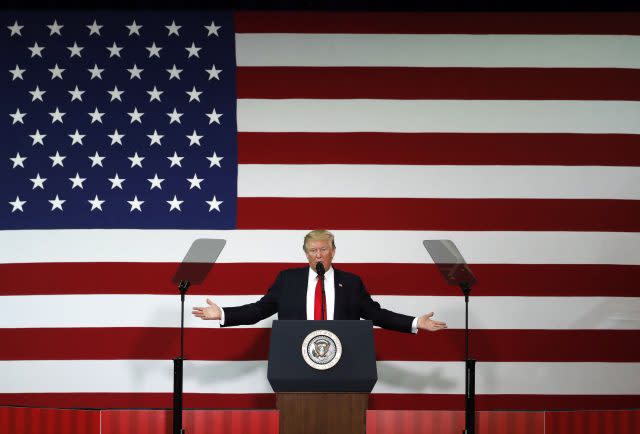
456,272
194,268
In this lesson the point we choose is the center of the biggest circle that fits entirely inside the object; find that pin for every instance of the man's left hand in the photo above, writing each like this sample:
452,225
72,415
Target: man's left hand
426,323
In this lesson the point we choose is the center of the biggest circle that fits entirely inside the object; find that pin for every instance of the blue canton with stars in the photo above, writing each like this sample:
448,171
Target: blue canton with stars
118,120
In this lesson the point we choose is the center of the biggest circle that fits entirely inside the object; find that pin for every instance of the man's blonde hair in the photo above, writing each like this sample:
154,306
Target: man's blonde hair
318,235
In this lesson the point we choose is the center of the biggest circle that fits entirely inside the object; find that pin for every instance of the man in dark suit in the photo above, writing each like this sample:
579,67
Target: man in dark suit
296,294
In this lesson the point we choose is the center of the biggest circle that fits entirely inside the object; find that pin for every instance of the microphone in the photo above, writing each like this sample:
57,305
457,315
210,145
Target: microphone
320,269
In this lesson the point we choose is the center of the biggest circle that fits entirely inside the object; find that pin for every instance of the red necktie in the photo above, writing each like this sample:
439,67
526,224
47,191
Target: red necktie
318,311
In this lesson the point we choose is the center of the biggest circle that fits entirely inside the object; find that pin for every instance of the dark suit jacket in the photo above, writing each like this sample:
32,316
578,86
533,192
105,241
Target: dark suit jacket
288,297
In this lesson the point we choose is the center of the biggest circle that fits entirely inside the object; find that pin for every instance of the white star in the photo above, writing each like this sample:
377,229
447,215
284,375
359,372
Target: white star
154,51
193,50
56,72
15,29
155,138
57,159
94,28
96,72
76,137
214,117
36,50
214,204
135,204
96,160
96,203
115,93
114,50
56,203
55,28
75,50
194,94
174,72
135,72
96,116
175,160
213,72
136,160
194,138
17,73
173,29
17,204
154,94
175,203
37,137
115,137
175,116
77,181
215,160
76,94
37,94
134,28
135,115
116,182
17,116
56,116
155,182
195,182
18,161
213,29
38,182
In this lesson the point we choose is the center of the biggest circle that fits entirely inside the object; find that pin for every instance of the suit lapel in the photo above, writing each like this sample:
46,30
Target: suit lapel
302,281
339,302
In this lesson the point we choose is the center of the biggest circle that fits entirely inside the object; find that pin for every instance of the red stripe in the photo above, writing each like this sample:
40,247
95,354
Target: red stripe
47,420
440,148
439,83
198,421
380,401
380,279
438,23
253,344
376,401
440,214
440,422
593,422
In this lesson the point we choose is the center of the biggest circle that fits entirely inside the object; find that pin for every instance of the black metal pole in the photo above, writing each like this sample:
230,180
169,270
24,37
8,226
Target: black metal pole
178,364
469,370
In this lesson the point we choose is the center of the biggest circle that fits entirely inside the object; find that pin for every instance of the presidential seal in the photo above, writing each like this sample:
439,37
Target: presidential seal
321,349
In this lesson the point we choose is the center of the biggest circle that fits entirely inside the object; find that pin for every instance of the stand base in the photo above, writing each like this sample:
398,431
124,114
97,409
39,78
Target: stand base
322,413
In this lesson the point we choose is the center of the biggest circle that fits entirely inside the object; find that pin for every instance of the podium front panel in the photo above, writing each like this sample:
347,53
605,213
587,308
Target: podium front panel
354,372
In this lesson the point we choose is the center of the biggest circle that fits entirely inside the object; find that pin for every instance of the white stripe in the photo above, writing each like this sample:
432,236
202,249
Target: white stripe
452,116
538,51
569,313
153,376
395,181
479,247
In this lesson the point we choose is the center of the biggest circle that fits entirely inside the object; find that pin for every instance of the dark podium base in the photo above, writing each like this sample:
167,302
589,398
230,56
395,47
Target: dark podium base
322,413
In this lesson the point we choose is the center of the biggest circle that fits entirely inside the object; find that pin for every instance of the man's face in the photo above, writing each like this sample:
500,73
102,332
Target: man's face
320,251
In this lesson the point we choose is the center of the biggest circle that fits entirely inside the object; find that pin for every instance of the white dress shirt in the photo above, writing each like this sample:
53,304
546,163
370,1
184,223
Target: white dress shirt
329,292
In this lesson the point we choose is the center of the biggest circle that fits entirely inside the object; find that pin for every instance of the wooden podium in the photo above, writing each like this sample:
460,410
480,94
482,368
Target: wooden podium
322,401
322,413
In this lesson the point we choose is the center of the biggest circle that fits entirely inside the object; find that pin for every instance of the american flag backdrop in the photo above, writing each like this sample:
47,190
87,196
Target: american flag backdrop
128,135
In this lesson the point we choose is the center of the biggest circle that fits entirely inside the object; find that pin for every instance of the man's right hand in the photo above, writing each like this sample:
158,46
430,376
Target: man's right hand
211,312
